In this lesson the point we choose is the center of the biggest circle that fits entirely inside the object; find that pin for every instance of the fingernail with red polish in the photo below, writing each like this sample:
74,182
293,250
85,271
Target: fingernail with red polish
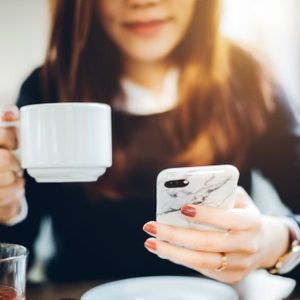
150,228
150,245
9,113
8,116
188,211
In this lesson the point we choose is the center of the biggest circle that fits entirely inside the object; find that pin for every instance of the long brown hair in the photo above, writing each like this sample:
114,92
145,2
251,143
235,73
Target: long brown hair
225,95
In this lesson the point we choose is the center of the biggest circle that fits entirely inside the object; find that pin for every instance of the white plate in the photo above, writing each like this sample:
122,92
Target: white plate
162,288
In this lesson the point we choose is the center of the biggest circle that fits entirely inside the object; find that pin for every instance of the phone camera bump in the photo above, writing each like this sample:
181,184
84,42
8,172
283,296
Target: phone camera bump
176,183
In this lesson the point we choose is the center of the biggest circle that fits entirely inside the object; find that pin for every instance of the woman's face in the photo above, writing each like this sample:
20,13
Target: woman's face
146,30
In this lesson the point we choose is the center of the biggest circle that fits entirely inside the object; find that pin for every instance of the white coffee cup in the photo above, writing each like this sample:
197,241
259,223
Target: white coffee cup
64,142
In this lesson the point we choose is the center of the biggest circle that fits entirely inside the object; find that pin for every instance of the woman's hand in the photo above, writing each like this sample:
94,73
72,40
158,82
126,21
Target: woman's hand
250,240
11,181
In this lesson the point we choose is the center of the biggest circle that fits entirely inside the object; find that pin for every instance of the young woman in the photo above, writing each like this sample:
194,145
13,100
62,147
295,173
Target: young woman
181,95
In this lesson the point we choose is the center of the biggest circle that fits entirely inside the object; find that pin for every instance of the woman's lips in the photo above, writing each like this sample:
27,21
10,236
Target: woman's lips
146,29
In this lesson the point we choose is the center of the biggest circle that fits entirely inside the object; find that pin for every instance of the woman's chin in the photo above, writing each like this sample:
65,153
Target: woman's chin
149,54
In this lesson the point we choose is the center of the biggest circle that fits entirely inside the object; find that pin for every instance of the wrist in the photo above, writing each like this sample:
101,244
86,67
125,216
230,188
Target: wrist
278,240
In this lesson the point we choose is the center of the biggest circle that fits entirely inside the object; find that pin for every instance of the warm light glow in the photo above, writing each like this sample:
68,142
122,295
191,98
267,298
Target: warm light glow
273,27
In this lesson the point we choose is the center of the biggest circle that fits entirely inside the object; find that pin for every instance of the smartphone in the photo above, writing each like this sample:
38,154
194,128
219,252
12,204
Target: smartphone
210,186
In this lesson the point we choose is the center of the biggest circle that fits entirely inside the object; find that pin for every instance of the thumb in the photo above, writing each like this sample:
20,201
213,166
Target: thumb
243,200
9,113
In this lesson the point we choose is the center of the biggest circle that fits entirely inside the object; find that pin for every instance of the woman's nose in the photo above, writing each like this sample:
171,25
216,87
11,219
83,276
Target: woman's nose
142,3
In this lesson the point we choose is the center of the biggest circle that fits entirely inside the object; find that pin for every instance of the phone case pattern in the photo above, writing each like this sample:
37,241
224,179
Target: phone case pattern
212,186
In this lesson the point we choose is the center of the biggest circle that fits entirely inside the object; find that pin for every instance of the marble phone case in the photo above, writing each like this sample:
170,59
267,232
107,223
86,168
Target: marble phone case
210,186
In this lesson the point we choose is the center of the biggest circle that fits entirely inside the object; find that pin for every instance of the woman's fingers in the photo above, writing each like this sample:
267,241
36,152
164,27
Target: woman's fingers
243,200
14,190
8,162
9,211
228,276
246,217
204,251
196,260
9,113
10,197
11,185
240,226
7,178
230,219
209,241
8,136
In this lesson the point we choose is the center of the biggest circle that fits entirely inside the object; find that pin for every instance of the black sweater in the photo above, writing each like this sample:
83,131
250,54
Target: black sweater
104,239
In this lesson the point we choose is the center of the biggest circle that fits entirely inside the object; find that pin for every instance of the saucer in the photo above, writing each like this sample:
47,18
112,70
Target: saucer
162,288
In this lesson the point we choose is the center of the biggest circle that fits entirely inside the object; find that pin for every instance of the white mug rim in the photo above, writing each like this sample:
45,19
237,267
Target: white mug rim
66,104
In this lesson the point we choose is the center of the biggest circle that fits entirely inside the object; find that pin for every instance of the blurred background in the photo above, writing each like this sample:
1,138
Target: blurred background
272,27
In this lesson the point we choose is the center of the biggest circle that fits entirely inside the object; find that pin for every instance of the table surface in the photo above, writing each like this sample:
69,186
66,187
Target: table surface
59,291
71,291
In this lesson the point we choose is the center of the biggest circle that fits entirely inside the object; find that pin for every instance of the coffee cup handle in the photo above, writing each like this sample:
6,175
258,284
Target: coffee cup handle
9,124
